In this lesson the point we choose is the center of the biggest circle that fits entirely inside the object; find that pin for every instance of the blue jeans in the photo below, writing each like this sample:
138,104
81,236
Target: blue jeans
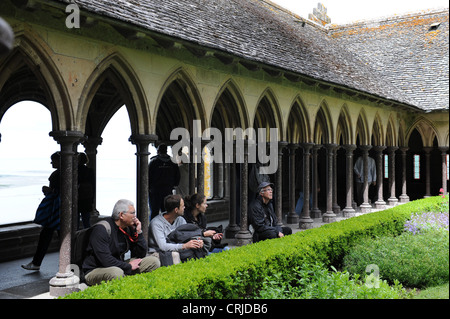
299,206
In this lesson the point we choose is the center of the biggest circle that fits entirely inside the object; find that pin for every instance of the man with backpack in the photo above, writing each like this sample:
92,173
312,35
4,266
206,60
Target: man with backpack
108,243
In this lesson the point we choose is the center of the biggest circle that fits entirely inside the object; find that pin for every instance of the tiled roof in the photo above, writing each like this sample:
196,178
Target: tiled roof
258,31
410,51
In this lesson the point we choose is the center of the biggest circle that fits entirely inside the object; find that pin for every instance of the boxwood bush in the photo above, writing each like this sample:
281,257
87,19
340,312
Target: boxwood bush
239,272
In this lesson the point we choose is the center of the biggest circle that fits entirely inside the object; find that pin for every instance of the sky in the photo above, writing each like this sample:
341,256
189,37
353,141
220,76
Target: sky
345,11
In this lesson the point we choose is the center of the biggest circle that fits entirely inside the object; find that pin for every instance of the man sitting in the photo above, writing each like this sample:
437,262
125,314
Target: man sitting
106,250
263,218
164,224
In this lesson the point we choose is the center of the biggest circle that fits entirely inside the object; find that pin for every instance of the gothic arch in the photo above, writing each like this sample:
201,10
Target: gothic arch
426,130
377,138
344,127
267,114
323,127
28,73
391,137
362,129
112,84
298,127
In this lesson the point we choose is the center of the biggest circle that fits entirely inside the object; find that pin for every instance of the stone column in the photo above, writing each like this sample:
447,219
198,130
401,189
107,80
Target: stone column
292,217
444,150
365,206
279,183
232,228
391,151
305,221
349,211
403,198
380,203
243,236
329,215
142,142
427,170
315,212
336,208
90,145
65,281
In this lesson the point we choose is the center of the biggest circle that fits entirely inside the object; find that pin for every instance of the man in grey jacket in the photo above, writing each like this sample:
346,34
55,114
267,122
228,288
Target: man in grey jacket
162,225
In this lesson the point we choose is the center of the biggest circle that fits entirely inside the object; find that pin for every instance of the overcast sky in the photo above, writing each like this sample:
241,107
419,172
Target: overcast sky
344,11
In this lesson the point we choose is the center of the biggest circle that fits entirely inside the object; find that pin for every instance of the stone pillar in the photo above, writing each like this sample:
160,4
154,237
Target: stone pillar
365,206
279,183
428,171
403,198
292,217
232,228
142,209
243,236
444,150
329,215
305,221
90,145
380,203
65,281
336,208
349,211
391,151
315,212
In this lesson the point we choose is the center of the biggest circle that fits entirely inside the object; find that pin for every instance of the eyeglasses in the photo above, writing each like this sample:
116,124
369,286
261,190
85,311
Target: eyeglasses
132,213
267,190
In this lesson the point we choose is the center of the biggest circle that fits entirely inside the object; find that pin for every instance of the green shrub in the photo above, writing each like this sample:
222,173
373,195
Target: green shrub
240,272
414,260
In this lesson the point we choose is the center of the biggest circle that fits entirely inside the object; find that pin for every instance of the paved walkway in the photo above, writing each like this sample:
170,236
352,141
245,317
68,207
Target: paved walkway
18,283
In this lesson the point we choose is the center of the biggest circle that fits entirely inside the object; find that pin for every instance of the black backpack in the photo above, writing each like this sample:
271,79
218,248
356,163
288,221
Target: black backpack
80,243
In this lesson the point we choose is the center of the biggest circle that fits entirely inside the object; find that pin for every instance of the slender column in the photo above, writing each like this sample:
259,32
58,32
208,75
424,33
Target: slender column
349,211
142,209
403,198
380,203
392,200
279,184
65,281
305,221
232,228
90,144
329,215
316,212
243,236
292,217
336,208
365,206
444,150
428,171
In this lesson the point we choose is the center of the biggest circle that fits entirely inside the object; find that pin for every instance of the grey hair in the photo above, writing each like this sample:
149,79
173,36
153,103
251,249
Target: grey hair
121,206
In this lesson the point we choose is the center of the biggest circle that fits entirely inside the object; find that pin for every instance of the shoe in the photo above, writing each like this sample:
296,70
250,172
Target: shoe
30,266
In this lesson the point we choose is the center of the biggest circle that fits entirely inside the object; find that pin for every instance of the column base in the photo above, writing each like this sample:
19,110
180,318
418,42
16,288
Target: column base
231,231
305,223
380,204
292,218
243,237
365,208
316,213
403,199
63,284
329,217
392,201
349,212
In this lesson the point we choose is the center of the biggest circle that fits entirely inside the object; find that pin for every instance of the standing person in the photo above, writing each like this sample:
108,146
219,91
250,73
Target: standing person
358,169
195,214
105,259
263,217
86,182
164,224
163,176
49,219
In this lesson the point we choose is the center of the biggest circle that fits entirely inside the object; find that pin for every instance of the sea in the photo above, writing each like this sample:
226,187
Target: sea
21,181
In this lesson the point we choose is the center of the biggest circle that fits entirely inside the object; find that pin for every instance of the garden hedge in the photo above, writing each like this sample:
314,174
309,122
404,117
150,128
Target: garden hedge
239,272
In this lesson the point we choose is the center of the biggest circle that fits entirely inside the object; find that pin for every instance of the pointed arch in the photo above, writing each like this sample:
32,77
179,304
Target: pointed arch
323,132
391,136
112,84
362,129
344,129
426,130
178,104
298,127
377,138
28,73
268,114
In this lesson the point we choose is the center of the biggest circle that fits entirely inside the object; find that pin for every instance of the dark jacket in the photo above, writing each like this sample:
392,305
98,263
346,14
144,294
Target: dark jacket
108,251
163,174
263,219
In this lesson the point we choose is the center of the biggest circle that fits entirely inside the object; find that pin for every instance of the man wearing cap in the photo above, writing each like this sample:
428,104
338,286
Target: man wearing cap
263,218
